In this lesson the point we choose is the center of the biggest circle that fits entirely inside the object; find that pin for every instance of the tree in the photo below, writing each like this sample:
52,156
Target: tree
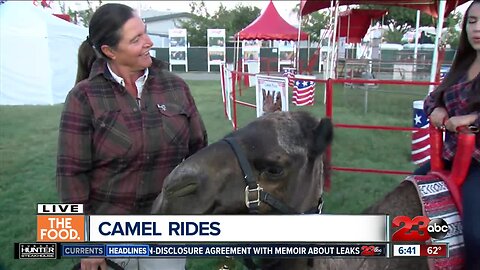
231,20
85,15
61,4
452,36
313,23
197,25
393,36
44,3
401,18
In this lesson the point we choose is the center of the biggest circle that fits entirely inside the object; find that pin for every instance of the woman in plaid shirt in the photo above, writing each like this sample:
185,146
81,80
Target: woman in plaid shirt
125,125
456,103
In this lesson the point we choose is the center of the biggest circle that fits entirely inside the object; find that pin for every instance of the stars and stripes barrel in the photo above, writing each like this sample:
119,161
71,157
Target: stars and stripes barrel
290,74
303,91
420,138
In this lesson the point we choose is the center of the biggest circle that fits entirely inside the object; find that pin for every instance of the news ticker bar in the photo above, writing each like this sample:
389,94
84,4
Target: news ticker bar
64,250
421,250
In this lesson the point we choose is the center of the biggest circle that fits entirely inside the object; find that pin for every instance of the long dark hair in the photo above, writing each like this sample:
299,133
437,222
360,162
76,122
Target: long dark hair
86,57
464,58
104,29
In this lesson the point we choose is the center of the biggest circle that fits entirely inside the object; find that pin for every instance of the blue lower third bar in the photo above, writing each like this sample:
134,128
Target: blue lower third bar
82,250
127,250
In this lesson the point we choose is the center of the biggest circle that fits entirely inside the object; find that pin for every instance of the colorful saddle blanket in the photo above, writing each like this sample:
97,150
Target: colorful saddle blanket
437,203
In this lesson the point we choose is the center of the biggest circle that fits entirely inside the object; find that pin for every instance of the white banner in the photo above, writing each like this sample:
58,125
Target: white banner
286,53
251,59
342,41
226,77
216,46
178,47
376,48
275,87
251,50
253,68
232,228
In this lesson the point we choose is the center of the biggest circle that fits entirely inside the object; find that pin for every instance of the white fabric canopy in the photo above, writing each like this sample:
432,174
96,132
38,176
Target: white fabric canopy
38,55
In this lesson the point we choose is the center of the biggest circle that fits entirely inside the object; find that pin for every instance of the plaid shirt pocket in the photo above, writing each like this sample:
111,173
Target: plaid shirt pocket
174,121
111,139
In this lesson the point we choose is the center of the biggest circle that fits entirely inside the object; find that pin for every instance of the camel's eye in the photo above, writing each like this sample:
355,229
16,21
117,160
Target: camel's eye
270,168
274,171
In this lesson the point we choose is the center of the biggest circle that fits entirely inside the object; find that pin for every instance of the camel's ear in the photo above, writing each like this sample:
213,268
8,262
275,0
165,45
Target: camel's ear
323,135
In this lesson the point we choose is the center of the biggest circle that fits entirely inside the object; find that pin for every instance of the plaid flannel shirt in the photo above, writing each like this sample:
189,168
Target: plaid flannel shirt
113,155
455,101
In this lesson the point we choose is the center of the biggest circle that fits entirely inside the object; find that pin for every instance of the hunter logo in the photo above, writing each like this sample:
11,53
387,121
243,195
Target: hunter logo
35,250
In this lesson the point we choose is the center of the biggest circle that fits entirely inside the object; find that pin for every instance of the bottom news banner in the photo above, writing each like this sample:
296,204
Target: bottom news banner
64,231
69,250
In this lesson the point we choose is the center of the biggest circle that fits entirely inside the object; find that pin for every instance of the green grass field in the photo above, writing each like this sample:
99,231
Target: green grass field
28,143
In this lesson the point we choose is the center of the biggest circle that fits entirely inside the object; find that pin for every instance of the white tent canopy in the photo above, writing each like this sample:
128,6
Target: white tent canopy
38,55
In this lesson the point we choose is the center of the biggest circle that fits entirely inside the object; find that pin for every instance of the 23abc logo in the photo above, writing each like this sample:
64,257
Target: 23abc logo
370,250
420,228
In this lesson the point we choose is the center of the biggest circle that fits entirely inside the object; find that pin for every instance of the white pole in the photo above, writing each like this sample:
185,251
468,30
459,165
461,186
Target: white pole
238,55
308,51
235,44
417,25
441,15
348,37
334,45
329,42
236,51
296,62
139,9
320,52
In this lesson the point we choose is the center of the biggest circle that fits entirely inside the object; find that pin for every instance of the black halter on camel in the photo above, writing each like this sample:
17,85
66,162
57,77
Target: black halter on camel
253,189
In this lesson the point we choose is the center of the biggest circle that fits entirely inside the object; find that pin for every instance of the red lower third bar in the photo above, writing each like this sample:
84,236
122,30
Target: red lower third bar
439,250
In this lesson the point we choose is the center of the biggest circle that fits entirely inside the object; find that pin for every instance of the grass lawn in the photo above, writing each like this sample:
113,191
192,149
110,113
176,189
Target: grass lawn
28,143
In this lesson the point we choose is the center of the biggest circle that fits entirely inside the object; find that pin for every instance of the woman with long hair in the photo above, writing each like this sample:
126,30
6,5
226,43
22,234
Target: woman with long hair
125,125
456,103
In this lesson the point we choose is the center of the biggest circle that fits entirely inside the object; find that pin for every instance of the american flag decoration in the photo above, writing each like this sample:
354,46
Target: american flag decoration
290,74
303,92
420,138
44,3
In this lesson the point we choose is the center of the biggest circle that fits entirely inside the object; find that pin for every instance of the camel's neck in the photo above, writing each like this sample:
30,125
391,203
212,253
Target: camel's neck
286,264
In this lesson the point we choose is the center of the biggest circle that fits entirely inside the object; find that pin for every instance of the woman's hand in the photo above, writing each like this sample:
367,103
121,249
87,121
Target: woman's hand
457,121
93,264
438,117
